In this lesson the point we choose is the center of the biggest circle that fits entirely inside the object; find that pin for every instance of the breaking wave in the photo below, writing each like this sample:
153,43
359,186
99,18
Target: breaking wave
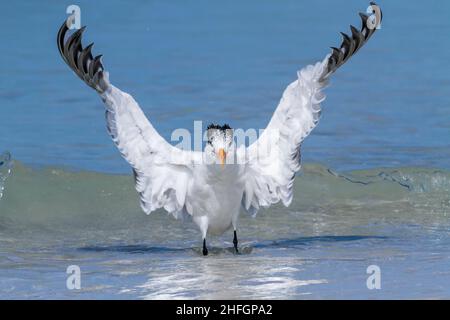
5,170
55,196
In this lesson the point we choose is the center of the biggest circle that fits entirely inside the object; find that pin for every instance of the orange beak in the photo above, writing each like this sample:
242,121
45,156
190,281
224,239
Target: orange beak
222,157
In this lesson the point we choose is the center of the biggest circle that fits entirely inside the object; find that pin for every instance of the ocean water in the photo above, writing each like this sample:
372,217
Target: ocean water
374,190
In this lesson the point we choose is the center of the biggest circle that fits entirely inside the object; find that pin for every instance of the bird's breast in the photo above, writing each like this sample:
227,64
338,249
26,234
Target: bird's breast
217,194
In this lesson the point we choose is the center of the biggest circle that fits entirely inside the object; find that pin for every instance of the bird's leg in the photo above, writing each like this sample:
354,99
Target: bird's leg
202,222
235,242
205,250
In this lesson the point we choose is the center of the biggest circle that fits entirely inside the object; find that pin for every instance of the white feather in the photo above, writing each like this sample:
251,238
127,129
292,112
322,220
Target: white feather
269,175
162,171
176,180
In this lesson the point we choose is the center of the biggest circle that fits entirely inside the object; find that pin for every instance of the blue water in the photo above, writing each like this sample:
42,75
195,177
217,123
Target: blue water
227,62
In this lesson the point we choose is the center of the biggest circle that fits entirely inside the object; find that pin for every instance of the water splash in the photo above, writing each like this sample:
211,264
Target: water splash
5,170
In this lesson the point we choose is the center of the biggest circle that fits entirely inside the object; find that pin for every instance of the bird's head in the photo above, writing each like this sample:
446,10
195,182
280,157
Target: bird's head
220,142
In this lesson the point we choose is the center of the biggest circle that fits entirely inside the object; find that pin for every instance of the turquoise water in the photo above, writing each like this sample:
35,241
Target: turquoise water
320,247
375,189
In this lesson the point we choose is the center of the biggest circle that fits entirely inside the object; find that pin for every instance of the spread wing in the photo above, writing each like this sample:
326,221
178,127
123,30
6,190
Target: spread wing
162,172
274,158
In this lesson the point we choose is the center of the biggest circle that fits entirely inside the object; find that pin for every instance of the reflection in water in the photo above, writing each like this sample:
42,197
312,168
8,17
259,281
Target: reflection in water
225,278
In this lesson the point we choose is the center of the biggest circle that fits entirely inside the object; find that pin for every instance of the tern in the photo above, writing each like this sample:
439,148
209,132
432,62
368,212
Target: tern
214,185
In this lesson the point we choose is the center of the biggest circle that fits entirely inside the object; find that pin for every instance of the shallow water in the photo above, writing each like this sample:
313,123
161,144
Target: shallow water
320,247
375,189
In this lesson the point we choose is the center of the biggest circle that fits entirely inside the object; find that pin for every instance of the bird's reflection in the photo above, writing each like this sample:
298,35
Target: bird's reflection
219,277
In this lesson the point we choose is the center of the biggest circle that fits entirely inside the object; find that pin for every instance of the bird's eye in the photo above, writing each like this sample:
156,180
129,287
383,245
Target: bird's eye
209,142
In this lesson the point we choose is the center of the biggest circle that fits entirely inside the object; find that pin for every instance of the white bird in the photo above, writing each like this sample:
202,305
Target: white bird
192,183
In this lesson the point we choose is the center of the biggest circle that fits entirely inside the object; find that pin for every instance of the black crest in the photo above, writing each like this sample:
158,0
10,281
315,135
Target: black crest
218,127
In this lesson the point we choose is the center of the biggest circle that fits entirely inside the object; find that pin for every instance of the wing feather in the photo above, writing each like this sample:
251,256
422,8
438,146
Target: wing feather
162,172
274,159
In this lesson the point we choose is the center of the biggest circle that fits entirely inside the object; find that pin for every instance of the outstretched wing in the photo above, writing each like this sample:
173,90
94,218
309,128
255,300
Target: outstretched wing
162,172
274,158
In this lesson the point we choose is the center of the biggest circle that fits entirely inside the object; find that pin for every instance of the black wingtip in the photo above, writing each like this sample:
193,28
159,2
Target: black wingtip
345,36
354,29
80,59
350,44
364,18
